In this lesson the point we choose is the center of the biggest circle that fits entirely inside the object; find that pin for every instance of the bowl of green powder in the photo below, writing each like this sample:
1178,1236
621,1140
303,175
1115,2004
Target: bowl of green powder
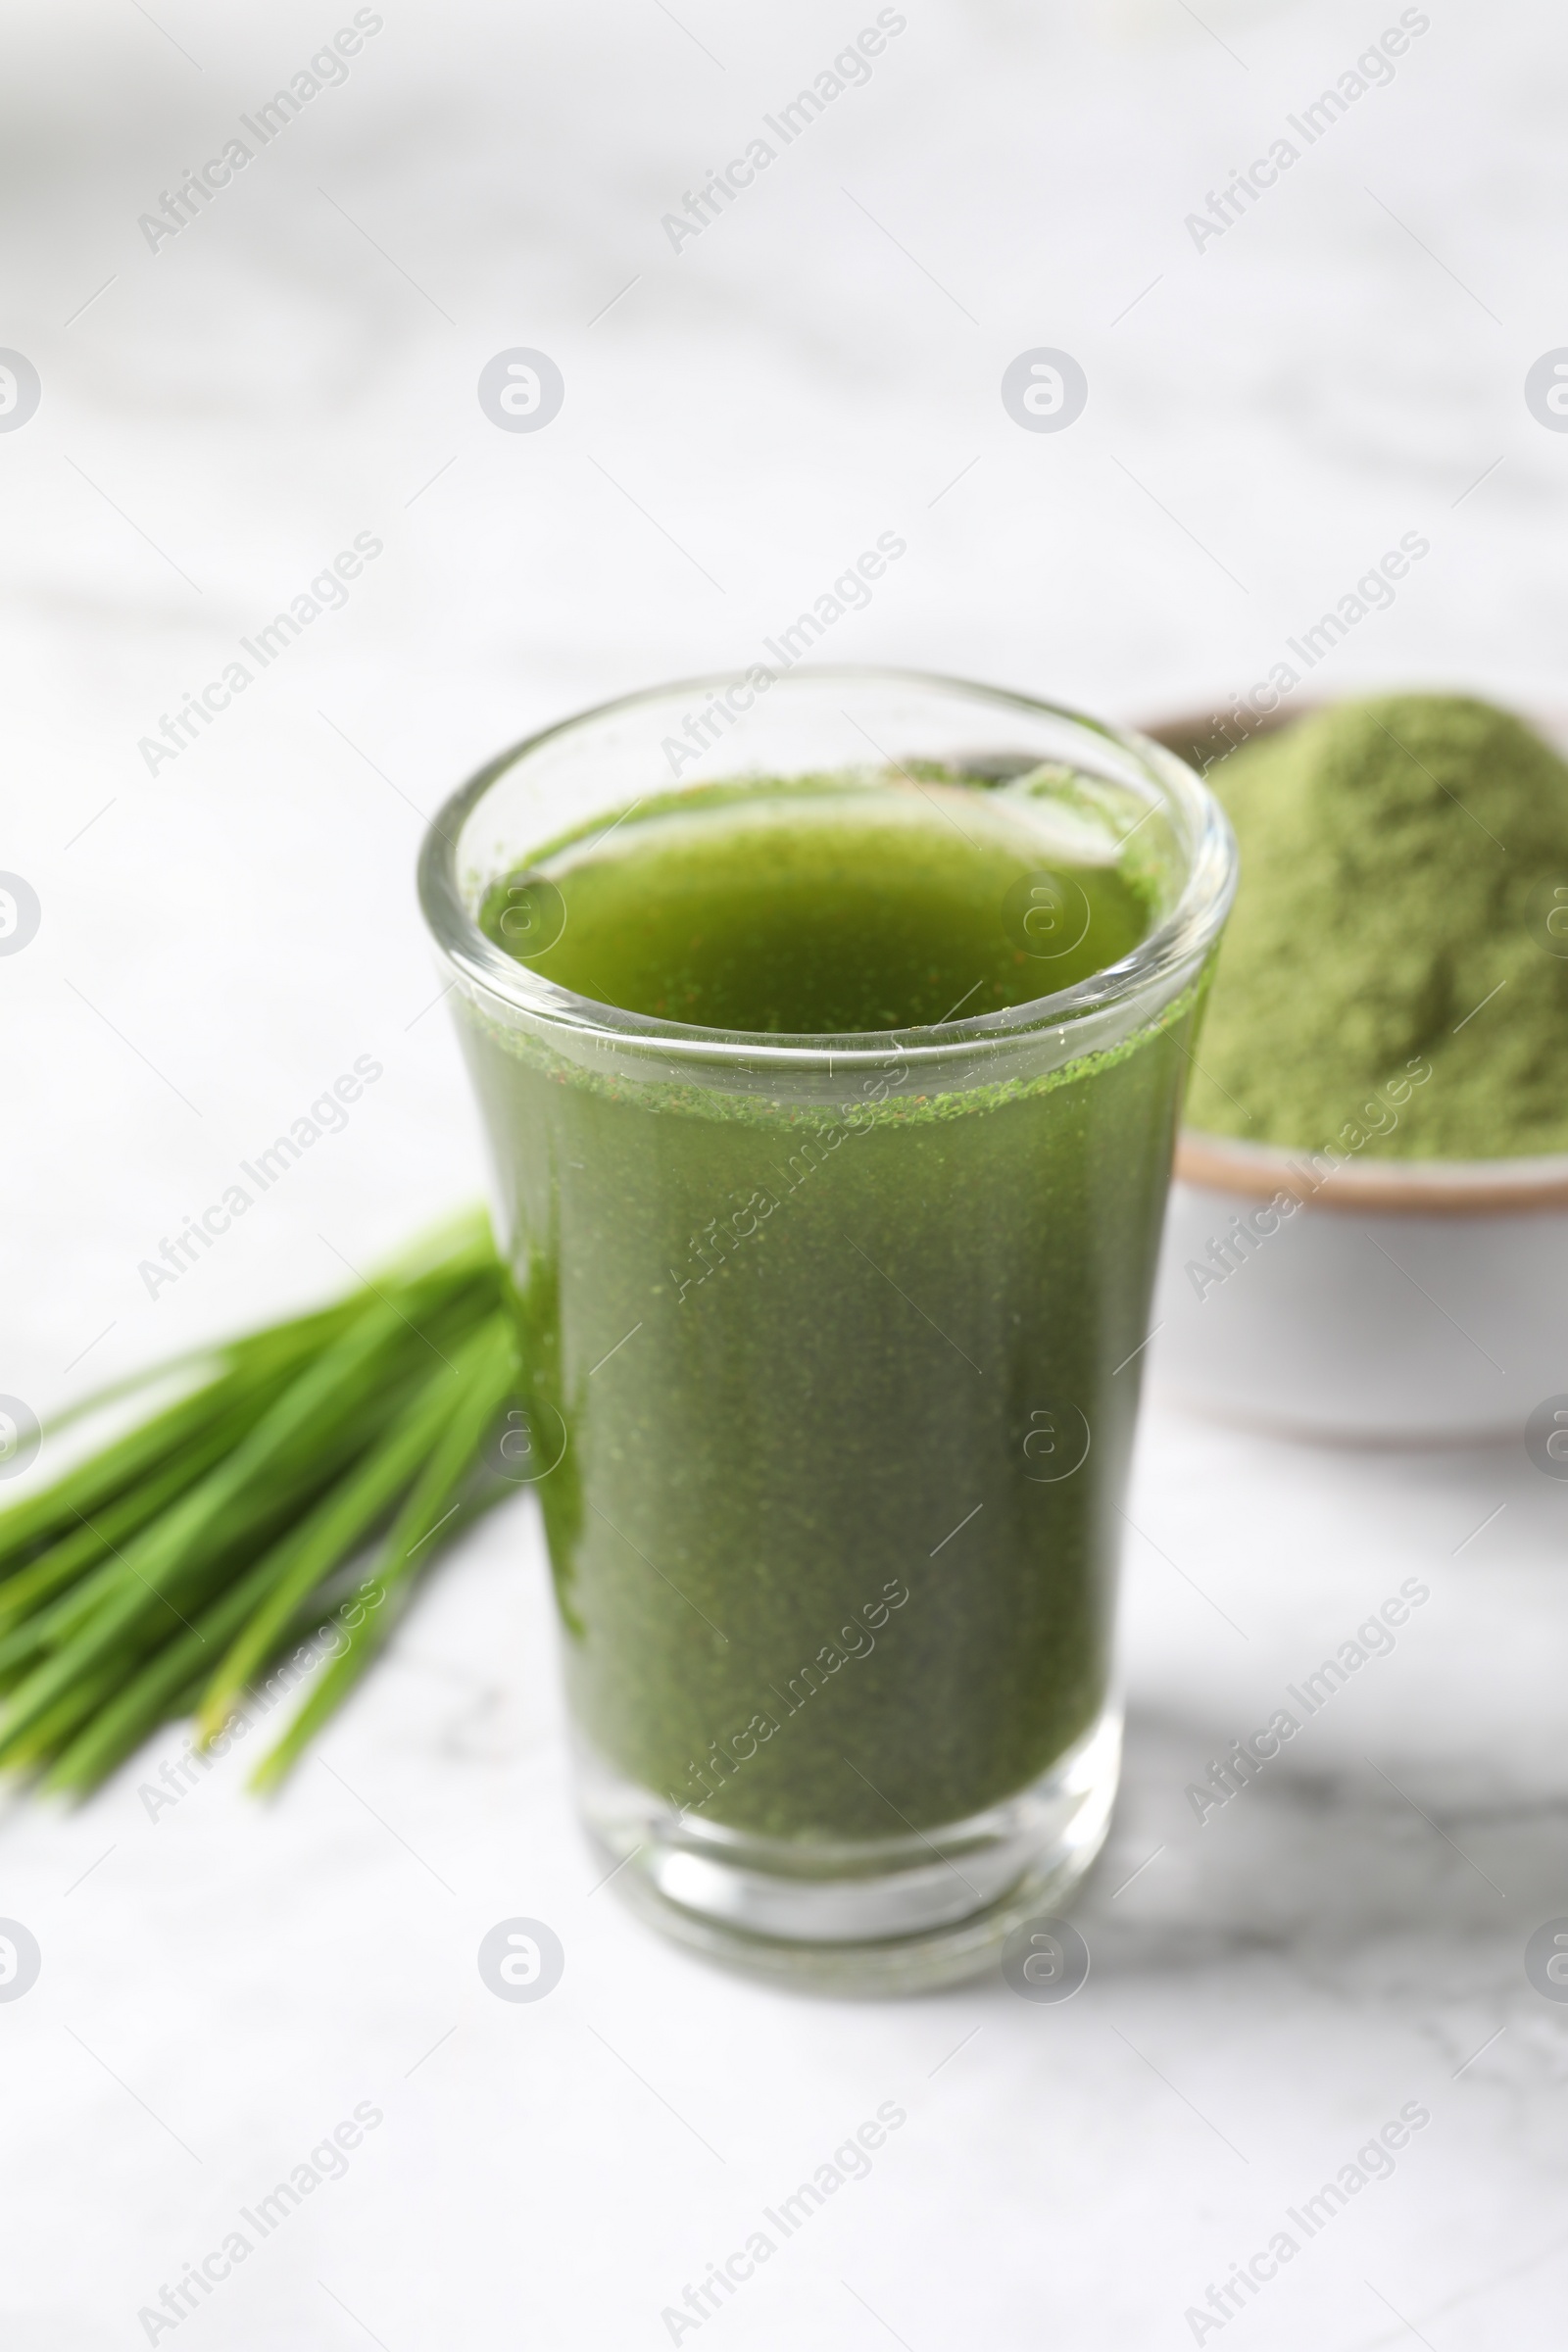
1369,1233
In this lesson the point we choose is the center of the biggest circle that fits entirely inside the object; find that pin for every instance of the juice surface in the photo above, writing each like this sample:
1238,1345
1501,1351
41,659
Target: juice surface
845,1382
822,910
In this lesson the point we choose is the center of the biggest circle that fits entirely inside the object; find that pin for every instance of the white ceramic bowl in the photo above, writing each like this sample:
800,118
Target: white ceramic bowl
1395,1302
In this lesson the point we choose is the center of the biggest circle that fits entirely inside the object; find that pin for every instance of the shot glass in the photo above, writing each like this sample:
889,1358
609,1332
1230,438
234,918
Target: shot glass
833,1343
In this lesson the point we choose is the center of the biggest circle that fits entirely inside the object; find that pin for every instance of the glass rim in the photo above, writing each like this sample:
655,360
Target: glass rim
1174,945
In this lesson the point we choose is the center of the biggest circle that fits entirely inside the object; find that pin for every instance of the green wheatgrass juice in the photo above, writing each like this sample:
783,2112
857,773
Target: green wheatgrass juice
842,1397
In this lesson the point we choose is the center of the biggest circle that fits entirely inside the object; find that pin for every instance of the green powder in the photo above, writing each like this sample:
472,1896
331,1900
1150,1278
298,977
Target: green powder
1394,977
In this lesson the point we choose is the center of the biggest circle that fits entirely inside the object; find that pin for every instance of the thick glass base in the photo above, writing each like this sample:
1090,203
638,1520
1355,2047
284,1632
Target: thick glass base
889,1915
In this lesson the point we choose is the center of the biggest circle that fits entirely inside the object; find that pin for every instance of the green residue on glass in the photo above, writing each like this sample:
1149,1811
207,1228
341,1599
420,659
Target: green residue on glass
1394,974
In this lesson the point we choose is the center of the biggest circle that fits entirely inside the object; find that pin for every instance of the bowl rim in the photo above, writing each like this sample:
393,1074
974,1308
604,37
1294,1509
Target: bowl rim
1333,1180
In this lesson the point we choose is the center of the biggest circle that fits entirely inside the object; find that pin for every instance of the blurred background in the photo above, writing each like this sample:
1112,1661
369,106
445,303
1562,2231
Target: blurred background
228,400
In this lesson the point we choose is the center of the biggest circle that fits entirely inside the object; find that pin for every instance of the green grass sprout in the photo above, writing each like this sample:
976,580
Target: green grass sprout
296,1489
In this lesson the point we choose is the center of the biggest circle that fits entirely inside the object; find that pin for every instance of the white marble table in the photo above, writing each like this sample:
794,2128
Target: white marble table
223,1985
